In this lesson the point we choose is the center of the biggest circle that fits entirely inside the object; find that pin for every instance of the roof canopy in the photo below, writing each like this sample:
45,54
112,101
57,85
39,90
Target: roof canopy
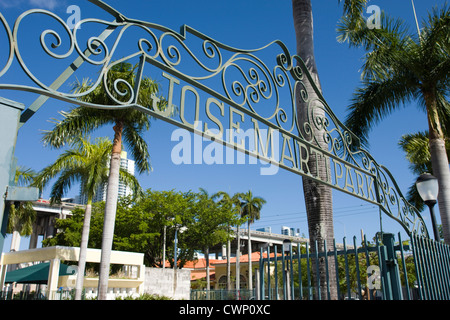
37,273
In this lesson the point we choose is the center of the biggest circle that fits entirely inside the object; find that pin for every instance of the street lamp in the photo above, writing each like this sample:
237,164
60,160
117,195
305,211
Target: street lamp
428,188
286,246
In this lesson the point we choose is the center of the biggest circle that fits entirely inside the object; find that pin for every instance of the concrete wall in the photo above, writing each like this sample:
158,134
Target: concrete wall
164,282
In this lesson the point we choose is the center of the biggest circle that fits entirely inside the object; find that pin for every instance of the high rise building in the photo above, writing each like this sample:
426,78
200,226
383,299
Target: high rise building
124,190
265,229
287,231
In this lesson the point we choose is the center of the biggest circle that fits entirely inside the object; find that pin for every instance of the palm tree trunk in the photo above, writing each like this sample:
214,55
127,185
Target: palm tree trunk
318,197
110,212
439,163
83,249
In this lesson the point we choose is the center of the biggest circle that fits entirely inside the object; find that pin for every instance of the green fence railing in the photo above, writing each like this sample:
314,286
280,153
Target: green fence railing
243,294
432,261
381,270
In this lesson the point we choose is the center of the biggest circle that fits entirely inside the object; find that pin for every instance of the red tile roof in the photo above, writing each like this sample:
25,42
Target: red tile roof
196,264
244,258
198,267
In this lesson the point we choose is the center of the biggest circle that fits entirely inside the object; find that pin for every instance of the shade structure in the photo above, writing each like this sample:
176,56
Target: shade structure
37,273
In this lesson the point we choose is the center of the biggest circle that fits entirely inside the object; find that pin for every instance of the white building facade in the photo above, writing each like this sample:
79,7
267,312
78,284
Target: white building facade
124,190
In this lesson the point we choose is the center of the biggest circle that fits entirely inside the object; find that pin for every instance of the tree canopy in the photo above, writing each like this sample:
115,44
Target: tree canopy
141,223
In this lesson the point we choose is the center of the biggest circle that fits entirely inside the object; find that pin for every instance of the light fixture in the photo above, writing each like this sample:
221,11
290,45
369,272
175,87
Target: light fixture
286,246
428,187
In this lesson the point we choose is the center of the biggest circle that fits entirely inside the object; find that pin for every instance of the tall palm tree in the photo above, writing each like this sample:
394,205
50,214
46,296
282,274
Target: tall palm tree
251,209
128,126
318,197
86,163
401,67
235,203
21,214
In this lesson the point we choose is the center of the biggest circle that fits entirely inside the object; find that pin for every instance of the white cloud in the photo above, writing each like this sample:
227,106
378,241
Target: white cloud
10,3
44,4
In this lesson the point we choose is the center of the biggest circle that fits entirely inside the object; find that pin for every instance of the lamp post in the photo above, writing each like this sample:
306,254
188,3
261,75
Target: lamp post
181,230
428,188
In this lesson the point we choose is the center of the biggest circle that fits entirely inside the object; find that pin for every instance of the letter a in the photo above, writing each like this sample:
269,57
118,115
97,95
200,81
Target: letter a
181,153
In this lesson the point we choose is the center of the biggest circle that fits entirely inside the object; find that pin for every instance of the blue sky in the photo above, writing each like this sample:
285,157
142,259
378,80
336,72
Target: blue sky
242,24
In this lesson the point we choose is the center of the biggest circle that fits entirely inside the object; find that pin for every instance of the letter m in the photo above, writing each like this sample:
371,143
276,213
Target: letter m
259,141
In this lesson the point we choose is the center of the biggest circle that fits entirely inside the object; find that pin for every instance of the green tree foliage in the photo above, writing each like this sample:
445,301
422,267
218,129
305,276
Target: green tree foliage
416,148
21,214
70,230
401,67
140,225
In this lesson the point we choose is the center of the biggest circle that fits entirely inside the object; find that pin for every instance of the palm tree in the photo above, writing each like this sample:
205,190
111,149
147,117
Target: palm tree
235,203
87,163
318,197
416,148
400,68
128,126
21,214
251,209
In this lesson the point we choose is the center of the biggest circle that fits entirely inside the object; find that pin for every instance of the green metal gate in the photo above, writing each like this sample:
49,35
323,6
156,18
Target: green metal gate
381,270
432,260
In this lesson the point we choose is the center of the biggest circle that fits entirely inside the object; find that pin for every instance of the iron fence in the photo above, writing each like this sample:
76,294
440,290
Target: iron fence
432,261
66,294
242,294
382,270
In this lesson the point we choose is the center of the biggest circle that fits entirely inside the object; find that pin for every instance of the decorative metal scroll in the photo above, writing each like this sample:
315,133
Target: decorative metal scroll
242,87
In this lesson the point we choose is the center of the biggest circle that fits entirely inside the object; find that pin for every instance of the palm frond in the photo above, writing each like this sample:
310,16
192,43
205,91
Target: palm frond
75,123
131,181
21,218
252,206
24,176
413,197
416,148
138,148
353,11
64,182
376,100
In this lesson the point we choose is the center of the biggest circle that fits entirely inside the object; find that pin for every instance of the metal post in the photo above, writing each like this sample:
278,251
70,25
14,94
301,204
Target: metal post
269,294
431,204
175,249
164,249
259,275
288,282
275,272
238,267
258,283
391,271
283,270
9,126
